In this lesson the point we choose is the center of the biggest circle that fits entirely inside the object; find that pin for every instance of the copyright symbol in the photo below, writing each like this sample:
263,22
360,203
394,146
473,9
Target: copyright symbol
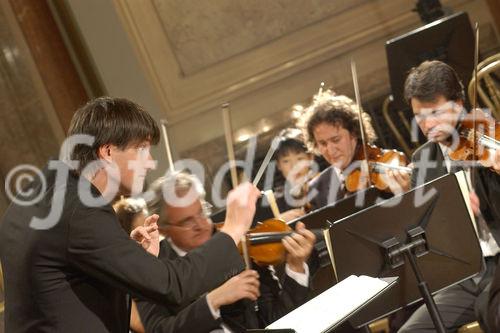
22,174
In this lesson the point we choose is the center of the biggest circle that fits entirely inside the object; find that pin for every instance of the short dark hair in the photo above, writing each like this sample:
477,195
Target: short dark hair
291,141
336,110
115,121
431,79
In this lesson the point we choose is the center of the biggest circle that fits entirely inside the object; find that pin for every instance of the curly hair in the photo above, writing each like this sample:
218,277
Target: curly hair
336,110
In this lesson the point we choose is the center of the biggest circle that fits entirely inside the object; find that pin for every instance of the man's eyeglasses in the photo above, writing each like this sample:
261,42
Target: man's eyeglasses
438,112
190,222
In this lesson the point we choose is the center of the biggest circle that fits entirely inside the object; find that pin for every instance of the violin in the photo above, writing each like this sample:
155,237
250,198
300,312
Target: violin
478,139
262,244
478,132
264,241
379,162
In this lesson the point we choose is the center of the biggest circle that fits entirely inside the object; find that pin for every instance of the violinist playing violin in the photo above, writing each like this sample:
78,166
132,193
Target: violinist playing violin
331,127
185,224
436,96
295,163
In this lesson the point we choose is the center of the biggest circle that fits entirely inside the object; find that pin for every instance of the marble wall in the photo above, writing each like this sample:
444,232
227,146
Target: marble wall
39,92
28,130
28,127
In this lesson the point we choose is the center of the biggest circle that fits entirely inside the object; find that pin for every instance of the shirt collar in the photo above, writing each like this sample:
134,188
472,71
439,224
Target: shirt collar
180,252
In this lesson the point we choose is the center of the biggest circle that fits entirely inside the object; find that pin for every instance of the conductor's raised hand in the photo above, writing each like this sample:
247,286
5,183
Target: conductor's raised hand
240,210
148,235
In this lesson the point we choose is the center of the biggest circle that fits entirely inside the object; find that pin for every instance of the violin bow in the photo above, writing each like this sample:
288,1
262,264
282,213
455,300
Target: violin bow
228,131
272,202
164,123
270,152
360,118
321,86
474,98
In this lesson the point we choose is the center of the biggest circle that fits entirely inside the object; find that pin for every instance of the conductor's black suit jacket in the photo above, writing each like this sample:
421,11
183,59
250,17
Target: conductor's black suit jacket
74,276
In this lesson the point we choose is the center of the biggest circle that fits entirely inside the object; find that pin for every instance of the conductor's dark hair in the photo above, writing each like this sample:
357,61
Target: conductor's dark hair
115,121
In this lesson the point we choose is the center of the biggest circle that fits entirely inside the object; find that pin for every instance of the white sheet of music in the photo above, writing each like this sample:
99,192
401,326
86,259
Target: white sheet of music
331,306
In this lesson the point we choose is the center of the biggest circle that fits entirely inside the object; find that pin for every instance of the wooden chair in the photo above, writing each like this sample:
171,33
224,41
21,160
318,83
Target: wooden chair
2,304
470,328
380,326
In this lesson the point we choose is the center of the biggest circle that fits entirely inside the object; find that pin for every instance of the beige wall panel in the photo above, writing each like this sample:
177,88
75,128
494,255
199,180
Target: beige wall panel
264,75
203,33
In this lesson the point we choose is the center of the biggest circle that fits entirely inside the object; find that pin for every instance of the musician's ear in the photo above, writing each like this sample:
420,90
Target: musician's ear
104,153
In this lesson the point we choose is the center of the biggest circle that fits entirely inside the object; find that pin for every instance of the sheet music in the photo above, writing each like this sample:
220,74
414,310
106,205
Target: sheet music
332,306
463,183
328,240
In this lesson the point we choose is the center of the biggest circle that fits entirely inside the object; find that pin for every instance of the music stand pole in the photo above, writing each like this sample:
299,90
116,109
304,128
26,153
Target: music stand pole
424,287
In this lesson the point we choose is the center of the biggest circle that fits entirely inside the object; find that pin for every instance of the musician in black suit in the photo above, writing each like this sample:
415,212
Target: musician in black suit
184,222
331,128
68,265
437,98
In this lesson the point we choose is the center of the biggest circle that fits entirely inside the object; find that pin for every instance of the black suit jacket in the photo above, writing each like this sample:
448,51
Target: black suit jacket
74,277
328,188
274,303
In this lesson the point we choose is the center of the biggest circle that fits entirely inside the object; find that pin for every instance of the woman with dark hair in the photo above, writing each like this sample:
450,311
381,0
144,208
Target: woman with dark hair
296,167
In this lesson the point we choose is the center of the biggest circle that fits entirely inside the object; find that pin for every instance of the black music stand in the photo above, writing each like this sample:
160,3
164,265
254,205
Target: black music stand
449,39
324,277
436,238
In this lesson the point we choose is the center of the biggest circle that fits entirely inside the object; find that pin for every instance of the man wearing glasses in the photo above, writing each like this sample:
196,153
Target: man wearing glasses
184,222
436,96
